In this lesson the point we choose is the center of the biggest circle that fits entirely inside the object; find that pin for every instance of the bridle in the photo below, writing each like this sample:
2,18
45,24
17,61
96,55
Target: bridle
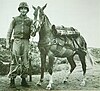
41,23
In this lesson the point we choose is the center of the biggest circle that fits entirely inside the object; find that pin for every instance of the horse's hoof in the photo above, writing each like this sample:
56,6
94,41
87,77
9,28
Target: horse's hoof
48,88
83,83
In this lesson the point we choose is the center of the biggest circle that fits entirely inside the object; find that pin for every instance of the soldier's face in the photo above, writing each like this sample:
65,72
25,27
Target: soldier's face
23,11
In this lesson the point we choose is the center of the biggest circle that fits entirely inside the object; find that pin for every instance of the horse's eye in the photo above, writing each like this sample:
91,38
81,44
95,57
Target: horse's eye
42,14
34,13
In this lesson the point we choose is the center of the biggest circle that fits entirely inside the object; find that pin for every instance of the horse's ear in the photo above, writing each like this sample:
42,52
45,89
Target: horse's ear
53,27
33,7
44,6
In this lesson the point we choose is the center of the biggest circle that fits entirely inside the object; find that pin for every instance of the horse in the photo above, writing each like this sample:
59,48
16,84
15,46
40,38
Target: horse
48,47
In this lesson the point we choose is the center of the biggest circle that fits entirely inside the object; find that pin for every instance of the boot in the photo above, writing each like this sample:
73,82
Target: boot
24,83
12,83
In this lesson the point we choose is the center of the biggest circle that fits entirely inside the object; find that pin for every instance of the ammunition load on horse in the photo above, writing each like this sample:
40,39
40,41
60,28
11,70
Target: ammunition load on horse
68,31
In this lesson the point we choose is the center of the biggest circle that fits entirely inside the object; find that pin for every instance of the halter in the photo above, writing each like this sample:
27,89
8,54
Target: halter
41,23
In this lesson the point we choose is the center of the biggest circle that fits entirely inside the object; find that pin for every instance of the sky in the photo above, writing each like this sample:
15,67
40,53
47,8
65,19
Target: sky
84,15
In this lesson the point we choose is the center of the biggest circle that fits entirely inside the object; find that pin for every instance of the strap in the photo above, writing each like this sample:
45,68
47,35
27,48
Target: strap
77,44
73,43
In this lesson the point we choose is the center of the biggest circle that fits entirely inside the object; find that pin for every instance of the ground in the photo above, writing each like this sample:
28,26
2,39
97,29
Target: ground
92,75
92,82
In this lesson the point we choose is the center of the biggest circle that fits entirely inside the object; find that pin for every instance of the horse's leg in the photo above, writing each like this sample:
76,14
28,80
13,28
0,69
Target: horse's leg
72,65
43,61
82,58
50,70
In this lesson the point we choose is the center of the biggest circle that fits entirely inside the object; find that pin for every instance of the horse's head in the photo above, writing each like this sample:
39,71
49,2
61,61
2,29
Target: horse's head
39,16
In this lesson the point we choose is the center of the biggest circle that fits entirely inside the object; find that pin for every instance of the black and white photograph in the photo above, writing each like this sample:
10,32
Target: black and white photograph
49,45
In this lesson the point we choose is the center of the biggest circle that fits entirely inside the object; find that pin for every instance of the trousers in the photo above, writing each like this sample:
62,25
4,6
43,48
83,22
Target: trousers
19,63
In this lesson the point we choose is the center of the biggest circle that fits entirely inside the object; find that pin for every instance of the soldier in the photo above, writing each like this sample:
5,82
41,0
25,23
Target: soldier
21,27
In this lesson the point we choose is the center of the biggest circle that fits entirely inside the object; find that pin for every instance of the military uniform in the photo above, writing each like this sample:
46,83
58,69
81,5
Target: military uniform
21,28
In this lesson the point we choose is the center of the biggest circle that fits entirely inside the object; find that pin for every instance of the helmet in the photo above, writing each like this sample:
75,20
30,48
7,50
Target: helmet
23,5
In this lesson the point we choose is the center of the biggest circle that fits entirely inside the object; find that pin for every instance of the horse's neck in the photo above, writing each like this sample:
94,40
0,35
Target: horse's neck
47,27
47,22
45,34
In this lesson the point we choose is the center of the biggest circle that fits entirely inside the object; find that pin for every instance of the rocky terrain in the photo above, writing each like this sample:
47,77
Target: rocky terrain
60,70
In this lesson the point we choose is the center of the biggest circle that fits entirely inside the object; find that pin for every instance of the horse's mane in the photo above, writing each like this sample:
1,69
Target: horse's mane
47,21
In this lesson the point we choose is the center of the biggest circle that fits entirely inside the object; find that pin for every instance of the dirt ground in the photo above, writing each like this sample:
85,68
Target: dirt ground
92,82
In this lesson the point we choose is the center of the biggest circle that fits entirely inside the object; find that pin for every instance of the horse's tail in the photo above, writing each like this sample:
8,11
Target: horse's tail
84,45
89,57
